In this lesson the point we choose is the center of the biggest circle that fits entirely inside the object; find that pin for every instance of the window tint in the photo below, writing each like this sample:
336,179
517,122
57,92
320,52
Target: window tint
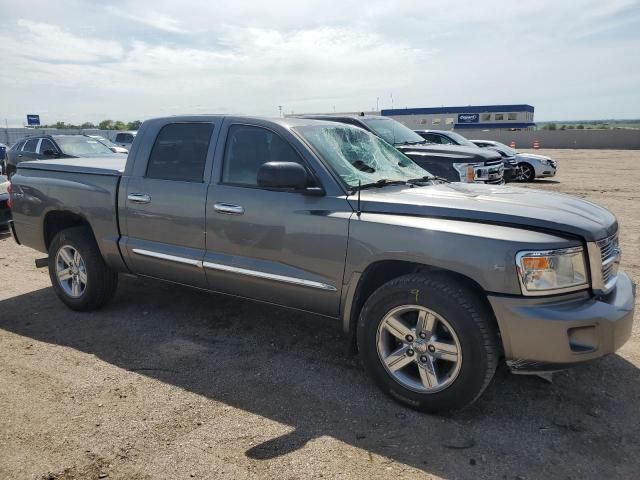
180,152
47,144
248,148
124,138
513,116
486,117
31,145
499,116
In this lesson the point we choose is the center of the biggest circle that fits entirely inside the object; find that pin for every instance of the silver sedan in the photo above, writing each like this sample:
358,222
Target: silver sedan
530,165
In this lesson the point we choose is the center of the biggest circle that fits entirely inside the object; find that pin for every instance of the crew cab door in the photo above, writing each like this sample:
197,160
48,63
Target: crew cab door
278,246
163,222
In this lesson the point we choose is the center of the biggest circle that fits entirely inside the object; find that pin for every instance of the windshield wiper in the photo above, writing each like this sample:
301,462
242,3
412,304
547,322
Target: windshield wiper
427,178
383,182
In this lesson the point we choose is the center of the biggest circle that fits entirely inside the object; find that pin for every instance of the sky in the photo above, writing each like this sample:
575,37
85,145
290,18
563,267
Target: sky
75,61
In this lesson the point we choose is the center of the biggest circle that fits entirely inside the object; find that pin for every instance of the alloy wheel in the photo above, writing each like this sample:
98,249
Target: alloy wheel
419,348
71,271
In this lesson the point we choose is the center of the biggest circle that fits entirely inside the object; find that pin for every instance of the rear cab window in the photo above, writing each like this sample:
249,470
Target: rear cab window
180,152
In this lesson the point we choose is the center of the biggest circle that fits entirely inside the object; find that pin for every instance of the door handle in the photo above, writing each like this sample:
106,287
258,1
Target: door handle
139,197
20,156
228,208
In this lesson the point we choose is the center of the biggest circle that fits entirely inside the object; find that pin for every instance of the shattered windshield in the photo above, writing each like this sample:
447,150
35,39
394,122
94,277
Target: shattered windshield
357,156
392,131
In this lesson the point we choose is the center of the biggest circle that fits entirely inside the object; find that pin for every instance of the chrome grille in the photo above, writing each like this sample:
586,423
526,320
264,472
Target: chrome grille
610,259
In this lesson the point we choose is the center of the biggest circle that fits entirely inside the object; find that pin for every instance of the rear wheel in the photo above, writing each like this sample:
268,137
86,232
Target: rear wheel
428,342
79,275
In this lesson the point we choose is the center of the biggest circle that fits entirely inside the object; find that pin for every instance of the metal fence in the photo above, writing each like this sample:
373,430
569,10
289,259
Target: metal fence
9,136
618,139
593,139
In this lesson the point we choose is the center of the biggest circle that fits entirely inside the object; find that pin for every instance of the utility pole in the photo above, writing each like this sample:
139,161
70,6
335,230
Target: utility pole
392,100
280,108
377,104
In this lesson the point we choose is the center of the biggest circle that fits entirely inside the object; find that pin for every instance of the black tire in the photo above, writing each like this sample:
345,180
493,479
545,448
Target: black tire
471,320
527,172
101,282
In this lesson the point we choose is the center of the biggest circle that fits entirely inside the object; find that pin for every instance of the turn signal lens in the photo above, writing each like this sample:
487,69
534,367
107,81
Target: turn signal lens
536,263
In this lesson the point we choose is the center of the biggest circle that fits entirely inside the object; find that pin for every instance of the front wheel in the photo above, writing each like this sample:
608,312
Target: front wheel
428,342
79,275
527,172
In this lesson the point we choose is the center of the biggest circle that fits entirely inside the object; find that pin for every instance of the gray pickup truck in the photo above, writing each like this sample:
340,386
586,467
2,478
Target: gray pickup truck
433,282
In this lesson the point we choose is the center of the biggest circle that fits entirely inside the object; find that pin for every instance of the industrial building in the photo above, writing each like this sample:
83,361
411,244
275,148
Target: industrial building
484,117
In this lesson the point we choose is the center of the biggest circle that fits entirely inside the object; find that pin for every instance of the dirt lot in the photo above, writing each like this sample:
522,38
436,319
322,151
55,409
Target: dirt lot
172,383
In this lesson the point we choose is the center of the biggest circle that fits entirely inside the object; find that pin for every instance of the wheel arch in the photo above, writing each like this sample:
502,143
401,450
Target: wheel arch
57,220
380,272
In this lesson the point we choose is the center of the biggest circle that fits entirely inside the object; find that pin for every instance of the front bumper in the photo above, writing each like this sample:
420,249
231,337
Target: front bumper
545,171
553,333
5,212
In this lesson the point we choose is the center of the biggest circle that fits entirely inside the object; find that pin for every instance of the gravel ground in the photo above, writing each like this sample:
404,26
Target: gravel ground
174,383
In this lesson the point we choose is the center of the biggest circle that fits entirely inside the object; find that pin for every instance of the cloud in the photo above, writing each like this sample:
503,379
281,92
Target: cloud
136,58
50,43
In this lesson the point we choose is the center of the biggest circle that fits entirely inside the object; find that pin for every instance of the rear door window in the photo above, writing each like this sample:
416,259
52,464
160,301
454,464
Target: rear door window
31,145
180,152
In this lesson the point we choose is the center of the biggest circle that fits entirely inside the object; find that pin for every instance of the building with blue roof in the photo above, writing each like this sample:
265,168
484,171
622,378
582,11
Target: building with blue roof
484,117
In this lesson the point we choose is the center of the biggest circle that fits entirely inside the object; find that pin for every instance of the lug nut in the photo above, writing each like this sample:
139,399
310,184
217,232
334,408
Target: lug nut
423,359
410,352
409,338
423,335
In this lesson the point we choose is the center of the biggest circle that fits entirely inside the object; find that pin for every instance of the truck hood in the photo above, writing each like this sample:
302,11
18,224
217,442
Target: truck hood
453,151
521,207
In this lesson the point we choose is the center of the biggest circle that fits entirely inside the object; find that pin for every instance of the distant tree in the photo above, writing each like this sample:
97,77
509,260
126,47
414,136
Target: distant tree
87,125
120,125
135,125
106,125
60,125
563,127
551,126
571,127
580,127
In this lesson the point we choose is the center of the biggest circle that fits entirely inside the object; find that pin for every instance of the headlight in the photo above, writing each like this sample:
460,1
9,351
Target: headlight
552,271
545,161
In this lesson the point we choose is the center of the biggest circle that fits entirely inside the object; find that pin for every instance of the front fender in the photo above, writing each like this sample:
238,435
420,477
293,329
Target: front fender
484,253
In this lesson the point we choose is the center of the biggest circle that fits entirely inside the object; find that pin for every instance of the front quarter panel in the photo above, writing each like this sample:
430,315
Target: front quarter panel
484,253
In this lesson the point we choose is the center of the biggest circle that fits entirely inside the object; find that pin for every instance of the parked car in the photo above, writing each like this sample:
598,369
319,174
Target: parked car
108,143
434,282
125,139
530,165
5,211
455,164
54,146
445,137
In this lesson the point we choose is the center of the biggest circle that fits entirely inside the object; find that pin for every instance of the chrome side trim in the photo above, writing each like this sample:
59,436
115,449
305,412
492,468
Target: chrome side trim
270,276
171,258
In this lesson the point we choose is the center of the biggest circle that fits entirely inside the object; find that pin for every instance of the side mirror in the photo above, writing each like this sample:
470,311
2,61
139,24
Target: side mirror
285,175
50,153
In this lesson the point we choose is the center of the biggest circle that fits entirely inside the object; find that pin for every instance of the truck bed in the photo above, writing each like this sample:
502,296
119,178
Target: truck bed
91,165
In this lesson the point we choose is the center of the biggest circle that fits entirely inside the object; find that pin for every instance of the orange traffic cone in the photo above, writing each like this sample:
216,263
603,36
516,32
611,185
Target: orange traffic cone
536,144
513,144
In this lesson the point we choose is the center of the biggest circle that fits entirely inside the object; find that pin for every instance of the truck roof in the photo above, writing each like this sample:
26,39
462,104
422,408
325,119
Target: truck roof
286,122
112,165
